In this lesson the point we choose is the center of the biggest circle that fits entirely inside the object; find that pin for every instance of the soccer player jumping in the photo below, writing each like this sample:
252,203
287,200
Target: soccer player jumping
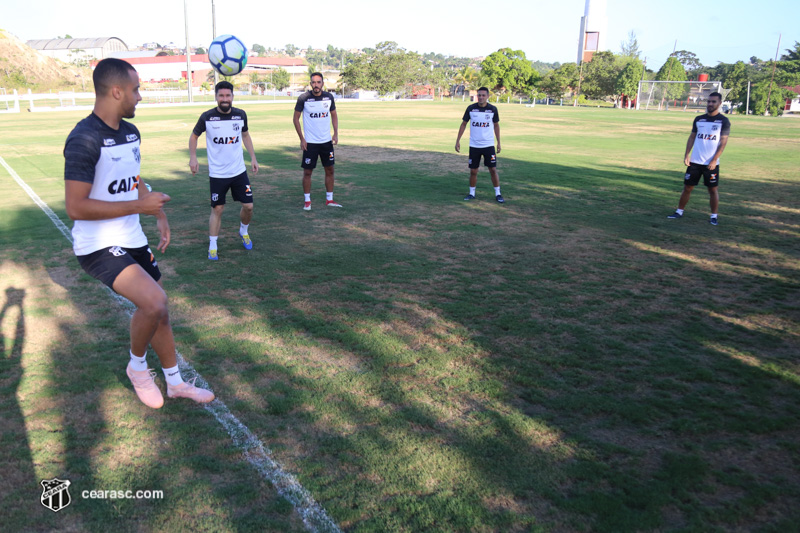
104,195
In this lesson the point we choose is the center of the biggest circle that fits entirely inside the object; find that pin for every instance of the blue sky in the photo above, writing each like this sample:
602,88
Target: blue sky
715,31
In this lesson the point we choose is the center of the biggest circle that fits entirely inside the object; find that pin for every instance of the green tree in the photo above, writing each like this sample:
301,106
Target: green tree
386,69
291,50
628,80
508,70
259,49
735,78
792,54
630,48
280,79
687,59
600,75
557,82
200,50
760,91
672,70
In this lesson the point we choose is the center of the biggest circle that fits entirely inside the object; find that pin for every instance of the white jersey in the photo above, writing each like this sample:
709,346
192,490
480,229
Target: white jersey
708,131
110,160
316,116
223,141
481,124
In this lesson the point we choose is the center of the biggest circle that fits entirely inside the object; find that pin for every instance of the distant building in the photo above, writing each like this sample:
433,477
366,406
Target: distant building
162,68
70,49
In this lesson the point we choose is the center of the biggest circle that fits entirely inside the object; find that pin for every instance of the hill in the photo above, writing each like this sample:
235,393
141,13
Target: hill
22,67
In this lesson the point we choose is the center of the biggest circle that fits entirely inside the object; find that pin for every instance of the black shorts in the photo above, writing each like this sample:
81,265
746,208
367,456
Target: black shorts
695,170
107,263
239,186
324,151
489,157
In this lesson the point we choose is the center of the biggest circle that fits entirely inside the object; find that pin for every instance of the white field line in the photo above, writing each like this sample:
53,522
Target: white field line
259,456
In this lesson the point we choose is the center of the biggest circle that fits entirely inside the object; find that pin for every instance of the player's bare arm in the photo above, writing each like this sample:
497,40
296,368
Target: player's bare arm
194,166
299,129
460,133
80,207
689,145
723,140
248,143
497,135
335,122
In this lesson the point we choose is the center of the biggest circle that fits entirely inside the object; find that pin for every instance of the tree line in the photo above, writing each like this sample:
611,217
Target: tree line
390,69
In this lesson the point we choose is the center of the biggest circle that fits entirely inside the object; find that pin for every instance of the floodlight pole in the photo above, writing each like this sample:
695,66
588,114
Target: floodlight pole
214,36
188,52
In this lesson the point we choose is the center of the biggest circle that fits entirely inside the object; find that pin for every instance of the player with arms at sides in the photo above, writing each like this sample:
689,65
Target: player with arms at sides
484,126
226,131
703,149
104,195
319,112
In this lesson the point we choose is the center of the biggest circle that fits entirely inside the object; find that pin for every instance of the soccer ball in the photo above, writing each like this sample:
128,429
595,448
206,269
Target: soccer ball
228,55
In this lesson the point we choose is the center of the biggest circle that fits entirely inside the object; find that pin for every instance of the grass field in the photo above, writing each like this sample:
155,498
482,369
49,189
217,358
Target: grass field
568,361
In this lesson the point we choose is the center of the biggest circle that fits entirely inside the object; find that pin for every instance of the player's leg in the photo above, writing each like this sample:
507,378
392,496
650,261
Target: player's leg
135,284
308,165
685,195
328,159
490,159
690,179
473,164
329,179
711,181
241,192
120,270
219,190
150,325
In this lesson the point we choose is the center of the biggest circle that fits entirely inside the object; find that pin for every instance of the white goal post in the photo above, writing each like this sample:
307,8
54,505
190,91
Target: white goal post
680,95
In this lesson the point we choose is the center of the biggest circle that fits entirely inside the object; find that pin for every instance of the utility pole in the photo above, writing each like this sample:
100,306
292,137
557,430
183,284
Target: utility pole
188,52
214,36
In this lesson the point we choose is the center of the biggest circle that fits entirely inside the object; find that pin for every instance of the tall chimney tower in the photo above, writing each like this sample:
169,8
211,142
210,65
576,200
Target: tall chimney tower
594,23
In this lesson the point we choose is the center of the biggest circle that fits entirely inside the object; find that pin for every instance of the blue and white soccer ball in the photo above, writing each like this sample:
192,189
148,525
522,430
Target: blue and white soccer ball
228,55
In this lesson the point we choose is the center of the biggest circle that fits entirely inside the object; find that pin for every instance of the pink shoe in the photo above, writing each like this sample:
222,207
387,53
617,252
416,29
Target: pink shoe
331,203
188,390
145,386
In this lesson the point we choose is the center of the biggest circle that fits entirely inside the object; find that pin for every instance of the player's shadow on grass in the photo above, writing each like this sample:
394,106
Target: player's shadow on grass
19,494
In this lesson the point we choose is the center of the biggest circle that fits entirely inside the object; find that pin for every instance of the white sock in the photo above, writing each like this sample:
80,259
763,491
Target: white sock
713,215
329,196
243,228
212,243
472,191
679,211
173,375
307,197
138,363
497,191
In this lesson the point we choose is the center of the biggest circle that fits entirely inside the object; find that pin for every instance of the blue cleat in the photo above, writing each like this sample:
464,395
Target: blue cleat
246,242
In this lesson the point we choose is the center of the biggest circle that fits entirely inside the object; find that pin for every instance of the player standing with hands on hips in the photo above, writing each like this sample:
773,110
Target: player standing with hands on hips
105,195
319,113
703,149
226,132
484,122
